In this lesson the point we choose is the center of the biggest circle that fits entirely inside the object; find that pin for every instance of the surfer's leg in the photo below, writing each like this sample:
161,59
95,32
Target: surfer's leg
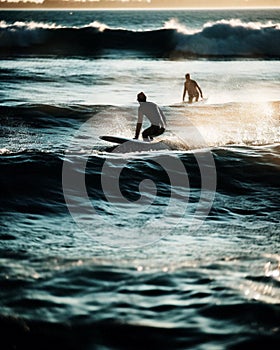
158,131
152,132
147,134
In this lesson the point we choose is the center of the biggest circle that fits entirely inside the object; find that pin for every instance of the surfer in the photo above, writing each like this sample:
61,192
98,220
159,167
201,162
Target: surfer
193,89
155,116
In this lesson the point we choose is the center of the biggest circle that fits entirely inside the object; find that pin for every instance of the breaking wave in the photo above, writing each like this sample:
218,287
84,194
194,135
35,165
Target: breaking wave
224,38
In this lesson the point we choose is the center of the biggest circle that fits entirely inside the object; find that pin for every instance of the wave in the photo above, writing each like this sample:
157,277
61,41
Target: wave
47,317
50,127
45,115
32,180
225,38
84,331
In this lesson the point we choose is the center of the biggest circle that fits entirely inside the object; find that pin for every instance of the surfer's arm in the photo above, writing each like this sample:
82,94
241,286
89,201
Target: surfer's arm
184,92
199,89
137,131
139,123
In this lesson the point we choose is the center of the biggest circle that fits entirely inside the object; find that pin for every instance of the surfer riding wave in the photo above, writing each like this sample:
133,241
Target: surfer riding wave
155,116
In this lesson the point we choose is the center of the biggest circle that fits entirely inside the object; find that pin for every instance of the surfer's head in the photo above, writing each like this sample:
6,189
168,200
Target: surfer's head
187,76
141,97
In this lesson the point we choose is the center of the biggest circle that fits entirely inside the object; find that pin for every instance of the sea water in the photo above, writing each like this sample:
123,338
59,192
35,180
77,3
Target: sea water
168,249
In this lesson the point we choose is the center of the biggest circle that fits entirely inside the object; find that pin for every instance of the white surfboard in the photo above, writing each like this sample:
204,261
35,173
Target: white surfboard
132,145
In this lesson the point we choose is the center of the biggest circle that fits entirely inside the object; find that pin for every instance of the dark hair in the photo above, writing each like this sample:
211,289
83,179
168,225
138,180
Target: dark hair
141,97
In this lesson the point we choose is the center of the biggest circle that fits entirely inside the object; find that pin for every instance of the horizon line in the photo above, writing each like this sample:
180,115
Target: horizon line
138,8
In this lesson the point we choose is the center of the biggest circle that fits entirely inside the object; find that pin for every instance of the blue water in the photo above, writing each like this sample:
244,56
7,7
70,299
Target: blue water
111,247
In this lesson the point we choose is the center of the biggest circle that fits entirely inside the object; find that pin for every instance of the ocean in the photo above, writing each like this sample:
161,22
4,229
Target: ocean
106,247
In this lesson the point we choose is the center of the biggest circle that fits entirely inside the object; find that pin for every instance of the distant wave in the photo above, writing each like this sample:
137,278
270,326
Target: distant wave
43,115
225,38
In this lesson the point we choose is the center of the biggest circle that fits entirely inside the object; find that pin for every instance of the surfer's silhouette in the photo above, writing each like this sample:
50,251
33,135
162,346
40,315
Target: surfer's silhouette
192,88
155,116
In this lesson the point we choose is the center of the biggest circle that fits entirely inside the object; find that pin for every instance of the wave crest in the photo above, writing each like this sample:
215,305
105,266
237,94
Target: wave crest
230,38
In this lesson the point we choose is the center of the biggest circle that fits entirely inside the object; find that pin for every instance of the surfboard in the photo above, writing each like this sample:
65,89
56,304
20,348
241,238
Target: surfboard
132,145
119,140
